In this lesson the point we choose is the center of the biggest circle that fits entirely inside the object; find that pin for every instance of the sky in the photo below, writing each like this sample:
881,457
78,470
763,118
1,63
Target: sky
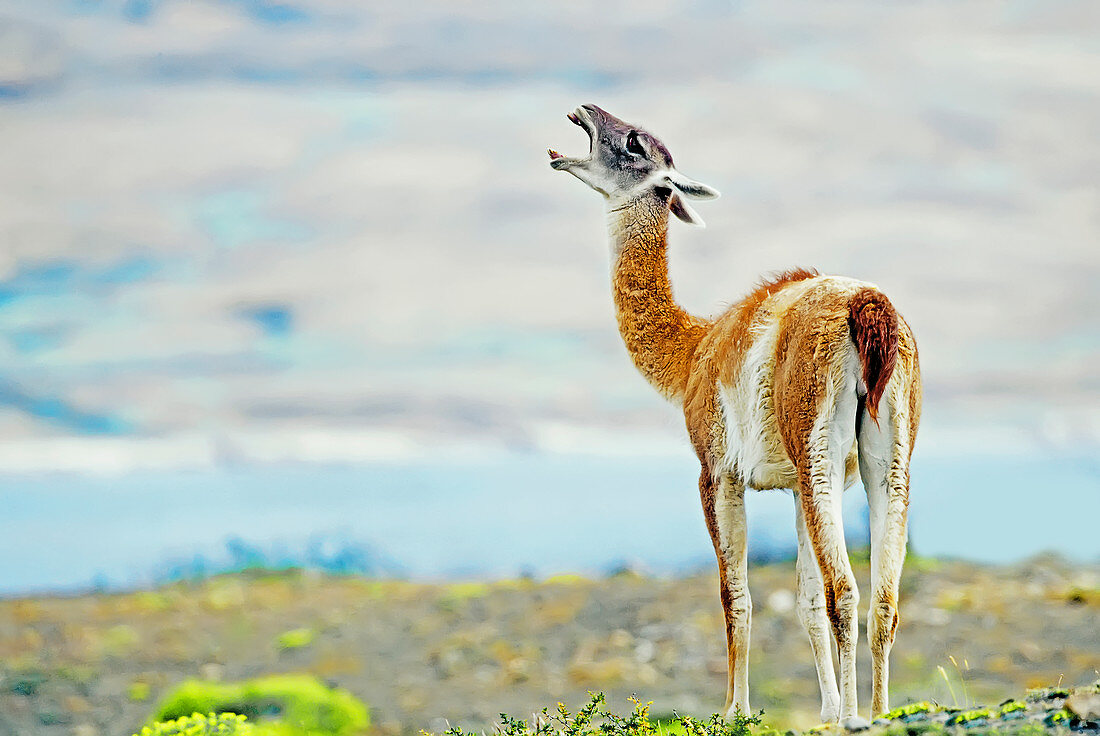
249,234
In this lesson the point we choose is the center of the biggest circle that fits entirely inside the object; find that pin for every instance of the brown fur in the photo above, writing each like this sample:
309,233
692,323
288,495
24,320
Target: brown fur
874,327
813,329
660,336
720,356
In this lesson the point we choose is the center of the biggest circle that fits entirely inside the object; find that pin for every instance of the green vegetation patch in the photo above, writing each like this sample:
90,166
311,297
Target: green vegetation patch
595,720
1012,706
300,704
911,709
295,638
196,724
970,716
1059,717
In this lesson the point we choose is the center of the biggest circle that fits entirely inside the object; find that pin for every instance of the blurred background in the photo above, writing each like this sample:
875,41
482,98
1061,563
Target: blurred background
291,284
300,273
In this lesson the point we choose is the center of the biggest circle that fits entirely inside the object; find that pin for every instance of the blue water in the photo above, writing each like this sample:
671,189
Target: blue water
520,514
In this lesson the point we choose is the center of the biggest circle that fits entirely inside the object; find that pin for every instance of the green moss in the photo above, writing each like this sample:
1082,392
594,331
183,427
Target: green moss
298,704
969,716
1012,706
909,710
196,724
295,638
1059,717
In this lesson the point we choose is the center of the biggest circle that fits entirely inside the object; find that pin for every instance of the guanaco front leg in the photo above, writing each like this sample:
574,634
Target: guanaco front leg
724,508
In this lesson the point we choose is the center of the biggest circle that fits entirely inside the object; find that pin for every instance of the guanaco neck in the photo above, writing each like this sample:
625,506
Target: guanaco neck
659,334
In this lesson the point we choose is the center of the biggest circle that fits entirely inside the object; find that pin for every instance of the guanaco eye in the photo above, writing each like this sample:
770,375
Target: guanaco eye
633,145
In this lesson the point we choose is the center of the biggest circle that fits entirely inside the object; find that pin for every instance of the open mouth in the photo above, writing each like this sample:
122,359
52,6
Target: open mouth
582,119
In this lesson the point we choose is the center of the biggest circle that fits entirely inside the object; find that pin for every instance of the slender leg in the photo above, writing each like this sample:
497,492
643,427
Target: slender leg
811,612
821,484
884,468
724,508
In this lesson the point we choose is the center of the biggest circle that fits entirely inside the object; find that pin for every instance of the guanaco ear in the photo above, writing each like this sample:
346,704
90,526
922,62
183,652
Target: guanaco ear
690,187
681,209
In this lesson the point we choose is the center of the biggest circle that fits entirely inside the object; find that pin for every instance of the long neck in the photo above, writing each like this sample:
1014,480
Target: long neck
660,335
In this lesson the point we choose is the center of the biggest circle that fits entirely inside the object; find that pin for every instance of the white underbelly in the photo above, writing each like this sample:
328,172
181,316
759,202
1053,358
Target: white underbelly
754,449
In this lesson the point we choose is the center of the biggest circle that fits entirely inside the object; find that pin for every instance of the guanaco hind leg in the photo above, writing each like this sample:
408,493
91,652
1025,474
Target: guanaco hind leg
820,487
811,612
884,468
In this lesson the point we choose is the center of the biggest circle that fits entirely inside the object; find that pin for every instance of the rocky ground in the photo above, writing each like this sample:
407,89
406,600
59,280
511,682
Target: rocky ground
1043,710
425,656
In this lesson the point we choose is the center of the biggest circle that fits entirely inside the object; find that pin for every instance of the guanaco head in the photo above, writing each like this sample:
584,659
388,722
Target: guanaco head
625,162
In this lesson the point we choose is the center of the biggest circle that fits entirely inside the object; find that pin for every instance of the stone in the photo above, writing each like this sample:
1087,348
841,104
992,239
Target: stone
856,723
1085,706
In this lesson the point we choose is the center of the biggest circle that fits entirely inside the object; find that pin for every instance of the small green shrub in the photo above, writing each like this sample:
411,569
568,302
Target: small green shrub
297,704
196,724
595,720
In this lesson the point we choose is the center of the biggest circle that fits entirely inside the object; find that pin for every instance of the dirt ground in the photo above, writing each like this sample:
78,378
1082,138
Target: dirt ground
423,656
